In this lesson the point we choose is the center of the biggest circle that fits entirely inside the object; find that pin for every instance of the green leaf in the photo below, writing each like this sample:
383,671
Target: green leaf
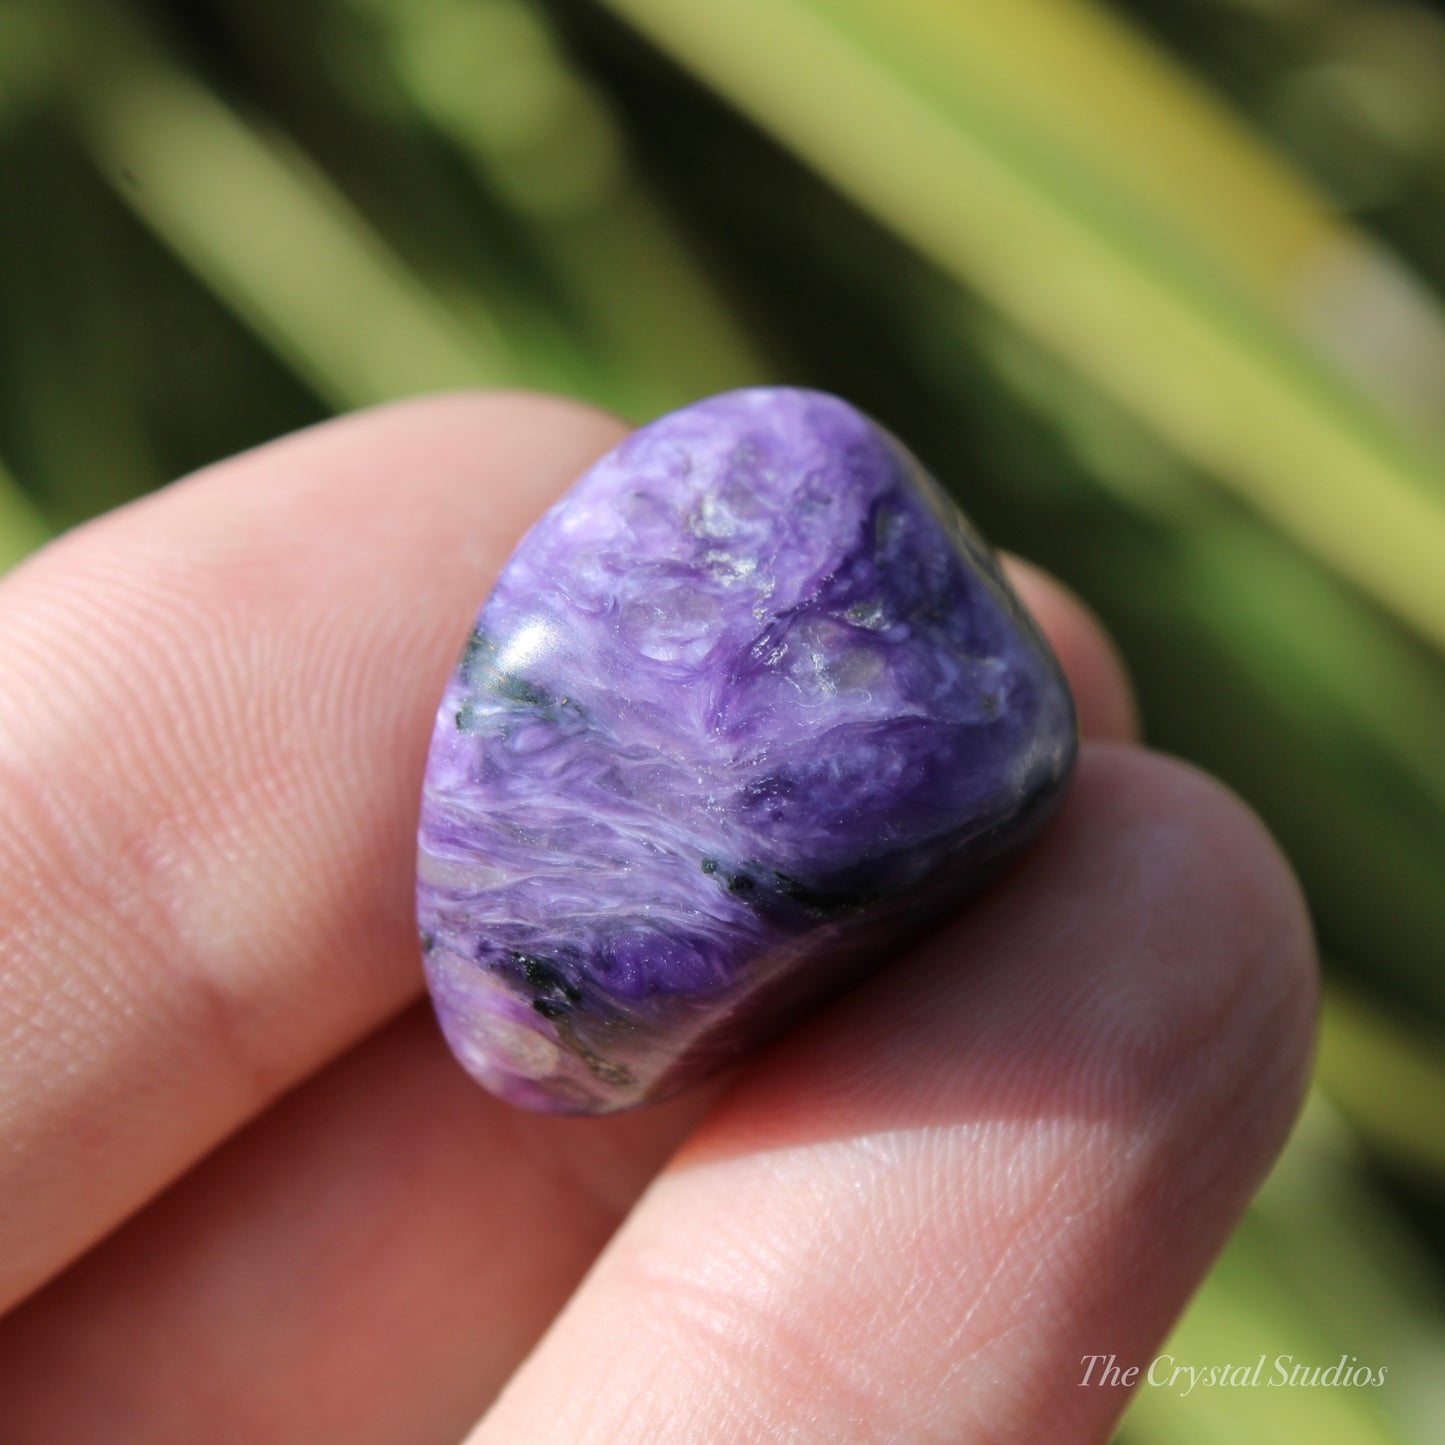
993,194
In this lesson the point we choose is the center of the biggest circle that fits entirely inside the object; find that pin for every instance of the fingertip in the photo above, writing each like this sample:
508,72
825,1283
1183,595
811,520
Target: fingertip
1097,677
1202,859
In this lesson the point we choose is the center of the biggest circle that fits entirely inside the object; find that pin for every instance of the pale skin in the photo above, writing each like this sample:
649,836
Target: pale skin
245,1195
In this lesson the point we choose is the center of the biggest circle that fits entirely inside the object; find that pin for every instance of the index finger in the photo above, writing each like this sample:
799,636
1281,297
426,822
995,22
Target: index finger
213,723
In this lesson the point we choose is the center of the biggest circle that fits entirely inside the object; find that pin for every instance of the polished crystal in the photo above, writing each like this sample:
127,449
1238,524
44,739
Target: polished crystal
747,709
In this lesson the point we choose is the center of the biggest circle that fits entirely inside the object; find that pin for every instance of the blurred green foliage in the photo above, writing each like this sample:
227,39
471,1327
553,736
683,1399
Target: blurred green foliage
1157,288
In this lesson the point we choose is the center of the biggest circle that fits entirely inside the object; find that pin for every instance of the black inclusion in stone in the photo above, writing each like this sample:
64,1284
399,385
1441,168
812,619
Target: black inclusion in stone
518,689
543,974
477,657
819,900
548,1009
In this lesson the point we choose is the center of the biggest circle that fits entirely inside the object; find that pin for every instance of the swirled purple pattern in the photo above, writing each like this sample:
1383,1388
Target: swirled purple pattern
750,706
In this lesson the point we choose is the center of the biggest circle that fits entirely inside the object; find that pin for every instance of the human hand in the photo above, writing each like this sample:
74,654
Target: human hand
246,1195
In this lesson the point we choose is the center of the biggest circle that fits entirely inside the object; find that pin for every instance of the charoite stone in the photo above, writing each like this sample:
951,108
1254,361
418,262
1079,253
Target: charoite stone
747,709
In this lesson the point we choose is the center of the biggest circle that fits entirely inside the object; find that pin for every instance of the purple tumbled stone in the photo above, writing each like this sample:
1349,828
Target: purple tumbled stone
747,709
